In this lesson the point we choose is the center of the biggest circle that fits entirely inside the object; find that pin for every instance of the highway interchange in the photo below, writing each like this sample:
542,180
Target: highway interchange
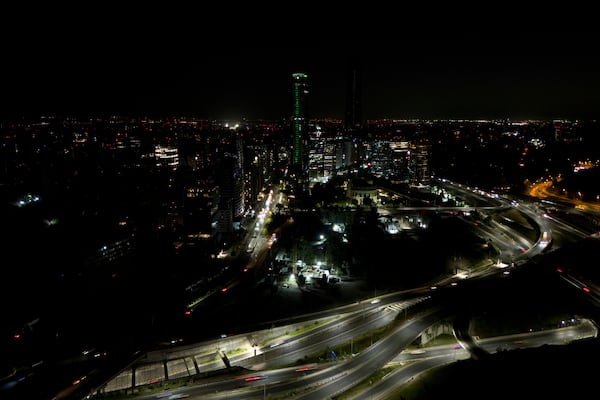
270,359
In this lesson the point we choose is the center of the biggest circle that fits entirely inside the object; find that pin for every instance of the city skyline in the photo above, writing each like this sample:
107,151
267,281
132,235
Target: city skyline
118,172
136,234
132,68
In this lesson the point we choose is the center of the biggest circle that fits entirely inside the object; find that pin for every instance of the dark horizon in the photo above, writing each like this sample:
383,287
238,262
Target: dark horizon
132,69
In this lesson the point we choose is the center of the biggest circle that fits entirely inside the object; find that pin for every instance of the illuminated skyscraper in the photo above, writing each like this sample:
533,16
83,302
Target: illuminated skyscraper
299,121
300,93
420,158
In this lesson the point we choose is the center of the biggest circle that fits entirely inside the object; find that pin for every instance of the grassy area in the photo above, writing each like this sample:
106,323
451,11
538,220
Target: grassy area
310,327
519,223
542,372
347,349
377,376
382,373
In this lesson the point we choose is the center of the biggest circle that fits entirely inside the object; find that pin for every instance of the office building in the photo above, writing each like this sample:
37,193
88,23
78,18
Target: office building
298,165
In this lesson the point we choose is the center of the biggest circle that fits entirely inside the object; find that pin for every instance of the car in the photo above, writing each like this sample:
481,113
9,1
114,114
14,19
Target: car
253,378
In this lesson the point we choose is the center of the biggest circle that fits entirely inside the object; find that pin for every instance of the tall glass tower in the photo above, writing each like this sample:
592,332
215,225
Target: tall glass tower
299,120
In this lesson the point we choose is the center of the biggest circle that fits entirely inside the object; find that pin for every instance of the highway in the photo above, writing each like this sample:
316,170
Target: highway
270,372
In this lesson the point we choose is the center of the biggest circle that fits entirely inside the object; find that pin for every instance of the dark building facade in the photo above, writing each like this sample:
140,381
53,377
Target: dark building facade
353,119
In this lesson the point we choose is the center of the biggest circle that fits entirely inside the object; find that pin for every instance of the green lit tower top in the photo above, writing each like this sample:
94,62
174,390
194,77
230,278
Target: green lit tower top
299,118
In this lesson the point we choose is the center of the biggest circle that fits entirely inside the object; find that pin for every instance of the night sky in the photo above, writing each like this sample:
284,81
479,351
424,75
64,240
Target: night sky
174,64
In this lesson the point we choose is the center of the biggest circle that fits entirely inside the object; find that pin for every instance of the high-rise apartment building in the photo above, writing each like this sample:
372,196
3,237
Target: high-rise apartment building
230,178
